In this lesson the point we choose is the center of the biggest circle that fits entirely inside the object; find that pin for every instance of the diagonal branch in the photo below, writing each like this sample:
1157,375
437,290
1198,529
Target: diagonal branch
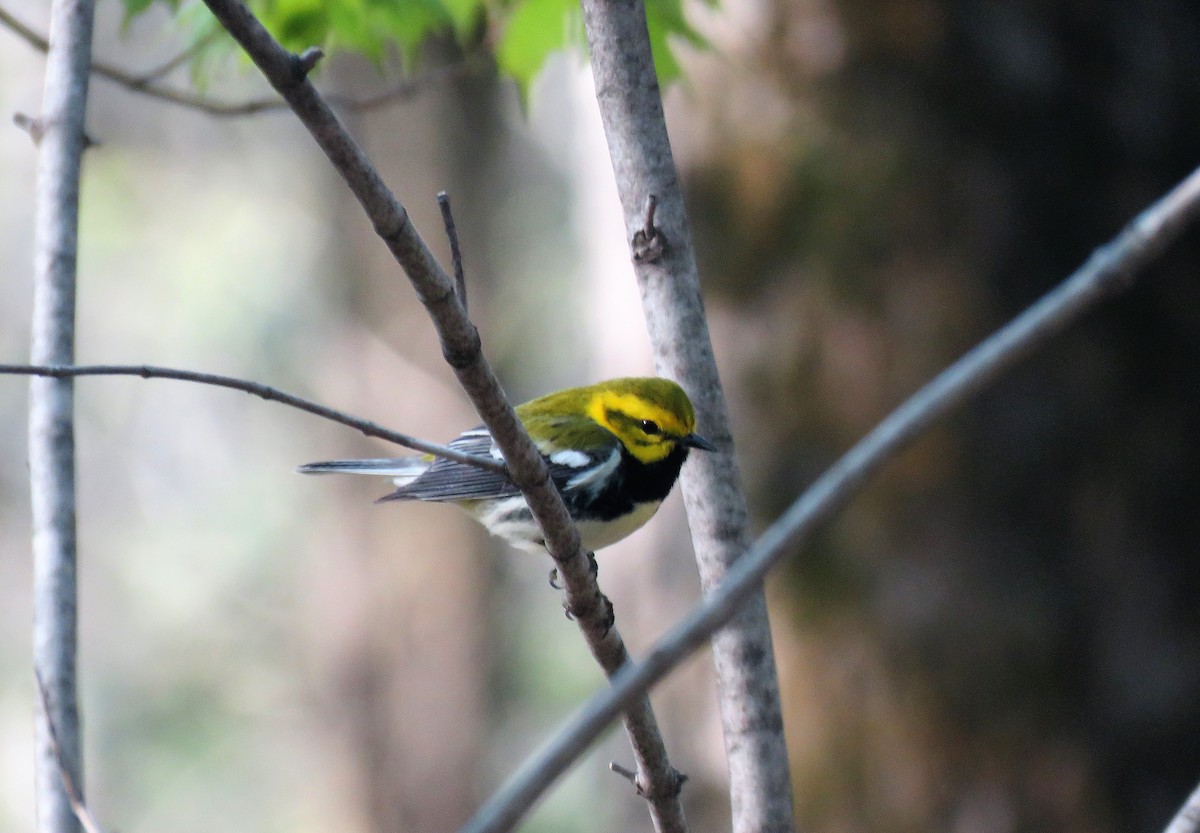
461,347
1187,820
1109,271
262,391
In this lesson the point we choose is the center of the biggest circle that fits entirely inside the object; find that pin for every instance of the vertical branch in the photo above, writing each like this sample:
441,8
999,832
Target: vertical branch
631,109
51,424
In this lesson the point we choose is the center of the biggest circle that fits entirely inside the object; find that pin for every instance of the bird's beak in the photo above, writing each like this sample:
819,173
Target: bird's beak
696,441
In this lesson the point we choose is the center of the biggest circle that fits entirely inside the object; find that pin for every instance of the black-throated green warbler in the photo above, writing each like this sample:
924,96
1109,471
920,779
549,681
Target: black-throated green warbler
614,450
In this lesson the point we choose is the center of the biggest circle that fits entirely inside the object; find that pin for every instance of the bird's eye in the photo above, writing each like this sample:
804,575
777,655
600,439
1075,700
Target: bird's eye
649,426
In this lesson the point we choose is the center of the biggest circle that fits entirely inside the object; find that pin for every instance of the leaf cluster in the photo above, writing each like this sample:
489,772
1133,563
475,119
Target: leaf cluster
522,34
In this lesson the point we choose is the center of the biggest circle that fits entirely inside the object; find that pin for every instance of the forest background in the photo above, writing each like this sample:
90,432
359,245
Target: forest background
1000,634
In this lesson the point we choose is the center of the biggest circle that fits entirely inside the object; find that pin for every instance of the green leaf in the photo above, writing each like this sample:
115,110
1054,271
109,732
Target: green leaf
133,8
535,30
408,23
298,24
367,27
209,44
465,15
665,21
532,30
538,28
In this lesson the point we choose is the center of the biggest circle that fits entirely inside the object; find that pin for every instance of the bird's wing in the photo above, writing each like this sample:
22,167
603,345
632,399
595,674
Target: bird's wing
450,480
447,480
583,453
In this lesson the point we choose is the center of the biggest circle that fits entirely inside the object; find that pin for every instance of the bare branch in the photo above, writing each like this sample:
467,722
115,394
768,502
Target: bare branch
1187,820
1110,270
409,87
167,67
625,772
460,278
307,60
632,777
631,110
462,349
18,28
52,411
262,391
36,129
30,125
148,83
90,825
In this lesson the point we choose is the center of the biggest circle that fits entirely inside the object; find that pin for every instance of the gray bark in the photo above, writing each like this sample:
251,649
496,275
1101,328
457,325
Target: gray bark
631,110
51,426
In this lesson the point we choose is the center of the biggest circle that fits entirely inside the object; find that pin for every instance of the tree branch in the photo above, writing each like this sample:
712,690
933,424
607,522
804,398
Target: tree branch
147,83
1187,820
1109,271
266,392
51,412
460,276
170,65
631,110
78,807
462,349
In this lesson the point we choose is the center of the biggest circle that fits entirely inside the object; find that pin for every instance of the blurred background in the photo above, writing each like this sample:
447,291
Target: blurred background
1000,634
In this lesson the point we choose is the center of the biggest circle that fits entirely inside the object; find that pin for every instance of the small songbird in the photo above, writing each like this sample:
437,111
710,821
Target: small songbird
614,451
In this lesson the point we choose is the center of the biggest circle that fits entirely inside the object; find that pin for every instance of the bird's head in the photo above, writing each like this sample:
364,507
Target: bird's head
651,417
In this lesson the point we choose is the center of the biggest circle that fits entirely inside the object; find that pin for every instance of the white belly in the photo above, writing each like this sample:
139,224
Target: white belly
502,521
596,535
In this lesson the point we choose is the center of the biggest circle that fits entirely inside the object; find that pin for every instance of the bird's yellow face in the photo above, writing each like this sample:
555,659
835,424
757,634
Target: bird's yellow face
650,418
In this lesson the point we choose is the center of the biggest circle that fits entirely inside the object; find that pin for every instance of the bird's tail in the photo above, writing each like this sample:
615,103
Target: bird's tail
402,470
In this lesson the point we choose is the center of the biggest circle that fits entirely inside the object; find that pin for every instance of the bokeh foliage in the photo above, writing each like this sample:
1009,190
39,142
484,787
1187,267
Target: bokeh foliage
1000,634
522,34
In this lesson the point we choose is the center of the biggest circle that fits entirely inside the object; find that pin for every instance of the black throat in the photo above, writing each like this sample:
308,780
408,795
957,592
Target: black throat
633,482
651,481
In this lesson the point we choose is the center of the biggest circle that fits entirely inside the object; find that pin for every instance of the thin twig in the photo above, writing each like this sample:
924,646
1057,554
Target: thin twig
30,125
167,67
18,28
307,60
36,128
651,209
625,772
1110,270
462,349
262,391
648,243
147,83
78,805
408,88
460,278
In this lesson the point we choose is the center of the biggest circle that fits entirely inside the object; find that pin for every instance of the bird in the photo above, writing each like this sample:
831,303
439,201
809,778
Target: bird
614,451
